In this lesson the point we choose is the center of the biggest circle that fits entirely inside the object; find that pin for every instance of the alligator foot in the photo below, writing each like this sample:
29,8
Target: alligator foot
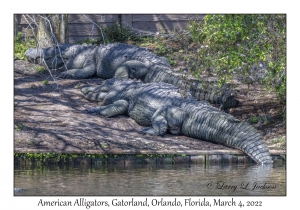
150,131
95,110
93,93
88,88
65,75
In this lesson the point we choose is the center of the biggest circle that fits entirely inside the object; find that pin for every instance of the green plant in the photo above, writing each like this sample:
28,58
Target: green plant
88,41
20,127
283,157
281,140
40,69
236,44
265,119
254,119
78,85
45,82
116,33
20,46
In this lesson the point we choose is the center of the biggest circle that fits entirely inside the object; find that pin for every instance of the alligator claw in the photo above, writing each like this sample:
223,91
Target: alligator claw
66,75
148,130
92,110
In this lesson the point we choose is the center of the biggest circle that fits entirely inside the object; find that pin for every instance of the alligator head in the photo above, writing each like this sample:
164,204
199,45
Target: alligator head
110,90
52,57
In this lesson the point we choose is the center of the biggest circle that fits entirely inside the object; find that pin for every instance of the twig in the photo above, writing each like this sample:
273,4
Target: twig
97,26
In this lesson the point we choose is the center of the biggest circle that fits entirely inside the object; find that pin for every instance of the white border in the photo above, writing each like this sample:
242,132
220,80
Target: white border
153,6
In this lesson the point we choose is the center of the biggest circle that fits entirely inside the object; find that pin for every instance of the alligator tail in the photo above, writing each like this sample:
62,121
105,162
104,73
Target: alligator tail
207,123
225,97
255,148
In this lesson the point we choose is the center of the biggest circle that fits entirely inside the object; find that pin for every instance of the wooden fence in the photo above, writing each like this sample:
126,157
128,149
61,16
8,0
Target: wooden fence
83,26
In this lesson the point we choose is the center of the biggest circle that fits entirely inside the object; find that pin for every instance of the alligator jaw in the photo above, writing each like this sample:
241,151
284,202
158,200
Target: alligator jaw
94,93
33,54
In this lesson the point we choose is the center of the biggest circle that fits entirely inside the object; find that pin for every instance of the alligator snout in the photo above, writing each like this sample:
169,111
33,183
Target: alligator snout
51,57
33,54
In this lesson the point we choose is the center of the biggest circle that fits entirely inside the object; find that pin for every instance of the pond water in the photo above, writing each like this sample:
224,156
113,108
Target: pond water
158,180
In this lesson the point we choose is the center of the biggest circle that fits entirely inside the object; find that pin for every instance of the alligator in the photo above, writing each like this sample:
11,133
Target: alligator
119,60
163,107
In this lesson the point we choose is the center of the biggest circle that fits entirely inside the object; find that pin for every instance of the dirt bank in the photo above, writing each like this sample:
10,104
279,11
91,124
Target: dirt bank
49,117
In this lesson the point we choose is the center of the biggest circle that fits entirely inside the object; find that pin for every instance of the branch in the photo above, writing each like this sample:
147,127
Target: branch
97,26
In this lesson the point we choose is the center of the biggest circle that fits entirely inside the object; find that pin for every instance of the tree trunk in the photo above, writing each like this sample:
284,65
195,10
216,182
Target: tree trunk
60,23
52,30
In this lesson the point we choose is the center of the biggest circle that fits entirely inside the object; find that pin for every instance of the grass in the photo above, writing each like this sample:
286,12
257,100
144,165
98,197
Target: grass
162,47
254,119
40,69
20,46
45,82
281,141
78,85
20,127
265,119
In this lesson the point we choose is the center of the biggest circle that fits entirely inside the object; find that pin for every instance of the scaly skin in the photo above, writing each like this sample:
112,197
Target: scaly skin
165,108
105,61
212,94
124,61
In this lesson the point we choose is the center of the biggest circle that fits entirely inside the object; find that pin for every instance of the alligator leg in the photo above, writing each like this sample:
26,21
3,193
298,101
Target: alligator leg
165,60
167,118
94,93
119,107
87,70
122,72
159,126
132,69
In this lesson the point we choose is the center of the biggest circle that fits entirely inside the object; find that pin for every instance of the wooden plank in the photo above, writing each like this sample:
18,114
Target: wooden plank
165,27
199,159
165,17
119,160
98,18
26,30
81,27
181,159
103,18
134,151
86,29
126,20
73,19
75,39
277,152
133,160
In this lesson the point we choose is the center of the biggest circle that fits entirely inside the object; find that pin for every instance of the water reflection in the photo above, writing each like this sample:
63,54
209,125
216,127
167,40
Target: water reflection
152,180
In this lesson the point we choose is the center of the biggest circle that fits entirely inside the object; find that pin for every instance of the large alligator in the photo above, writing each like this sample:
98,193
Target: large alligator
123,61
165,108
